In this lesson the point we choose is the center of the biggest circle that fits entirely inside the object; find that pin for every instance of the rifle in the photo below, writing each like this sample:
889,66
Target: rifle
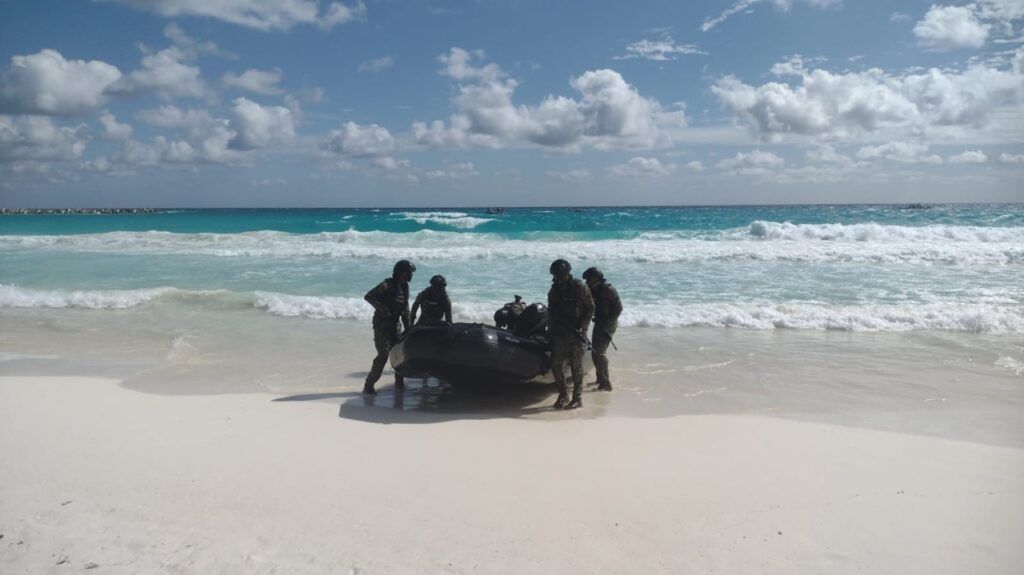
610,340
583,338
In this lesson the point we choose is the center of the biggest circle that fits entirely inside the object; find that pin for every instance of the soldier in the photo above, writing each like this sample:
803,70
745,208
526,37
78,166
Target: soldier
508,314
390,301
570,308
434,301
607,306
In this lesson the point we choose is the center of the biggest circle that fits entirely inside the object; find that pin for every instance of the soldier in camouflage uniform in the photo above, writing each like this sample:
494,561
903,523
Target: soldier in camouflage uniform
570,308
607,306
434,302
390,301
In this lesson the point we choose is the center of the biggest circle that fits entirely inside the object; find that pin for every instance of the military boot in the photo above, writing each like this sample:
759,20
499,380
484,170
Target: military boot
368,389
562,400
576,403
604,386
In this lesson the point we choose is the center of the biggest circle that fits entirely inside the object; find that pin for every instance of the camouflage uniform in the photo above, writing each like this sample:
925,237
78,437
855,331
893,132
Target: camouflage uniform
570,308
607,306
390,300
437,307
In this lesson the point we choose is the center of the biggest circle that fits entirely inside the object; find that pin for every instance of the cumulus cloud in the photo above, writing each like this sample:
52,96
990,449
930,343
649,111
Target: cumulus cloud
660,50
377,64
753,163
203,138
746,6
902,152
258,81
609,113
951,28
258,14
970,25
360,141
1011,158
969,157
38,138
167,73
112,129
825,104
640,167
258,126
46,83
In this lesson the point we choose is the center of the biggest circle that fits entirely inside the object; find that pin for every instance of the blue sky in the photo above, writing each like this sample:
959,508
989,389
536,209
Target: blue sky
387,103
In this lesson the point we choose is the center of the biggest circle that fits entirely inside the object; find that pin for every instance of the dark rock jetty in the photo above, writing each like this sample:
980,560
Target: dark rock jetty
74,211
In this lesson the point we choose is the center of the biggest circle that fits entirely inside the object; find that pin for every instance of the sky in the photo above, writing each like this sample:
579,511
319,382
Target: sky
323,103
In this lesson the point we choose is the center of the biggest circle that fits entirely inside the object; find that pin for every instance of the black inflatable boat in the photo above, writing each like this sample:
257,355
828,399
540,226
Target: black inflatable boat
463,352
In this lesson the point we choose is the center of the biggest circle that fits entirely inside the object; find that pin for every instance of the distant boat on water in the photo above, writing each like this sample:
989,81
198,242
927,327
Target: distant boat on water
495,210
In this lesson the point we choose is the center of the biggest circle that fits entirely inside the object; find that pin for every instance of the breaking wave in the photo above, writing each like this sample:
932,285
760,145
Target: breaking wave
762,241
939,316
453,219
872,232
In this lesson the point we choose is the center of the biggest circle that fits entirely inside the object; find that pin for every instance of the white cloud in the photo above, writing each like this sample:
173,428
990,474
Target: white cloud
258,81
746,6
753,163
389,163
453,172
46,83
193,47
609,114
969,157
258,14
112,129
354,140
640,167
659,50
377,64
902,152
258,126
203,138
951,28
37,138
167,74
899,17
695,166
844,105
1011,158
169,116
576,176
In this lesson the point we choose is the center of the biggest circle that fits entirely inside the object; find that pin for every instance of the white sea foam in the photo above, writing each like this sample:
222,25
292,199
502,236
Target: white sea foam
778,242
872,232
13,296
454,219
1009,363
940,316
946,316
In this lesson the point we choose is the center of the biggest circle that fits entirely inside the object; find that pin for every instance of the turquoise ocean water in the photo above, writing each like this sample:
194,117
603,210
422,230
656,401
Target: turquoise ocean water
855,268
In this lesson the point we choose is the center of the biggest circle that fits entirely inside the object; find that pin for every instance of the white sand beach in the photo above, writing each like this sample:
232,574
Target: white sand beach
95,476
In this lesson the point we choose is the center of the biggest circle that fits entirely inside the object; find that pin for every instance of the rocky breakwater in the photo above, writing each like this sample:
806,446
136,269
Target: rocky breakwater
74,211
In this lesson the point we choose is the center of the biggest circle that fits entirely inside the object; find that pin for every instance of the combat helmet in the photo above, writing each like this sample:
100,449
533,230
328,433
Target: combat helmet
559,267
403,265
593,273
438,281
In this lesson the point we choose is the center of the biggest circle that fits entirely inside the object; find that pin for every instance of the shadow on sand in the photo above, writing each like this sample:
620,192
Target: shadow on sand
432,401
